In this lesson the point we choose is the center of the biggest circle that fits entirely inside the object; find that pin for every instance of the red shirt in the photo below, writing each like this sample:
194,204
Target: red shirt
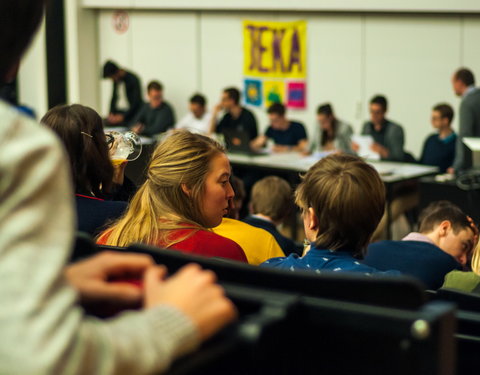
202,242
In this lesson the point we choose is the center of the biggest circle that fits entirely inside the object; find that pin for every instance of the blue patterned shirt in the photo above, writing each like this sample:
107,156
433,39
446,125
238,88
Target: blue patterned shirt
325,260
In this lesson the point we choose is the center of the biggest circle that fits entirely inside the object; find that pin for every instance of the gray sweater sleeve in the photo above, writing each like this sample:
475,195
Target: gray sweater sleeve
43,329
466,129
394,141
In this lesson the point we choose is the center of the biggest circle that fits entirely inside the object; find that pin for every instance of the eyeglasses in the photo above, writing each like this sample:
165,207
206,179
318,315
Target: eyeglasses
110,139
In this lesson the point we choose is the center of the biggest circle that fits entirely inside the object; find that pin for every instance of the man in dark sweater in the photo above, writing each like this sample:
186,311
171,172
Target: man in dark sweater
127,94
287,135
236,118
446,238
439,148
156,116
388,136
463,83
271,203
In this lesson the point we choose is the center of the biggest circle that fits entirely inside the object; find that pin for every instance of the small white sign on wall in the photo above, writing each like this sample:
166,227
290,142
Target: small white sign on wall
120,21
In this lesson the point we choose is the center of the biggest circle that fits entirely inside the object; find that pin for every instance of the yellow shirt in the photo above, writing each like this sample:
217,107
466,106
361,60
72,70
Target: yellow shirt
258,244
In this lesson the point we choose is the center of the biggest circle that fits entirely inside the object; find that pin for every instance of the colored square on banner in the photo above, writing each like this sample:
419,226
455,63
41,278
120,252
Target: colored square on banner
297,95
273,92
253,92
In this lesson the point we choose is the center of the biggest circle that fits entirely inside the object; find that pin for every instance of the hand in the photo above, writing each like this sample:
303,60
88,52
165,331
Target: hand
217,109
281,148
451,170
192,291
119,173
93,278
379,149
355,147
138,128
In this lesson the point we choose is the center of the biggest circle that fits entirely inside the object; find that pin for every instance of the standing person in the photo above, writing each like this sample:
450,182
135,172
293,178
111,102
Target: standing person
156,116
388,136
186,193
44,331
288,135
439,148
463,82
126,95
236,117
198,119
331,134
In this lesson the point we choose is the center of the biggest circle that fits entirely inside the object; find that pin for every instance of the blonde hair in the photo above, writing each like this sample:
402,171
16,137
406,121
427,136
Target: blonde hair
272,196
348,198
161,205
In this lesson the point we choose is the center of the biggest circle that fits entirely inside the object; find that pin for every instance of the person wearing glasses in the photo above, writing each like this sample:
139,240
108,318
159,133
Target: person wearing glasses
96,181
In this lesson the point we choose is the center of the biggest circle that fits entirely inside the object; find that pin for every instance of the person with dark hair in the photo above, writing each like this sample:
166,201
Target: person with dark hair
81,131
443,243
287,135
156,116
270,204
439,148
338,230
331,134
44,328
388,136
236,117
198,119
126,95
463,82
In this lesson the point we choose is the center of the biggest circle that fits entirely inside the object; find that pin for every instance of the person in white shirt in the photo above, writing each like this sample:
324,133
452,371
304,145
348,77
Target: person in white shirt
198,119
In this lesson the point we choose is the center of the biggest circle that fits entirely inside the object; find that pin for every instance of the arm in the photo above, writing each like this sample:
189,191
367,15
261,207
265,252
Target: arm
134,96
394,145
113,101
466,129
258,142
213,121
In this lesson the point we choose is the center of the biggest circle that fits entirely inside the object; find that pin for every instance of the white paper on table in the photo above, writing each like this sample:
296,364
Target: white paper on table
365,143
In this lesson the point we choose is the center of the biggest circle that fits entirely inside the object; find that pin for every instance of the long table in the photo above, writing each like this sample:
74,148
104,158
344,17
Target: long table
391,173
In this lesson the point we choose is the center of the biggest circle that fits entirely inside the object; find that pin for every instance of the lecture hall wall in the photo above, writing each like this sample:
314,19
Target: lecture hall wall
352,55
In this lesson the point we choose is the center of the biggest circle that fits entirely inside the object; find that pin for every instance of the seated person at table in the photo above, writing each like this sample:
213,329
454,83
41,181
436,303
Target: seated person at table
445,239
342,200
287,135
198,119
236,117
186,193
257,244
466,281
126,96
439,148
81,131
156,116
270,204
331,134
388,136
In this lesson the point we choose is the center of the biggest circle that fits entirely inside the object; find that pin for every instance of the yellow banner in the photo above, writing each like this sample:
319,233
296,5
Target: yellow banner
275,49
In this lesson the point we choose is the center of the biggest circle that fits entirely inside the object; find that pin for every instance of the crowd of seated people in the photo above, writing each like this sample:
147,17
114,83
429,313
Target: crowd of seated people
186,204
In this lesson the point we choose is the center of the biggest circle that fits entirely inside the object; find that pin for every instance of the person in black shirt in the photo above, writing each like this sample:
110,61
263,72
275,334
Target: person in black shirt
156,116
439,148
126,97
236,118
287,135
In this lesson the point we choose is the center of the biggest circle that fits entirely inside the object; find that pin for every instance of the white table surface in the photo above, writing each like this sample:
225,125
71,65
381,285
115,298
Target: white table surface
294,162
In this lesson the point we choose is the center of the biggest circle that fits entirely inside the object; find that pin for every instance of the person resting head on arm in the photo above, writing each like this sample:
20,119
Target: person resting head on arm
342,199
187,192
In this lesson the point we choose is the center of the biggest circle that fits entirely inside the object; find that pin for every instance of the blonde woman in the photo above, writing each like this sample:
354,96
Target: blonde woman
186,193
466,281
